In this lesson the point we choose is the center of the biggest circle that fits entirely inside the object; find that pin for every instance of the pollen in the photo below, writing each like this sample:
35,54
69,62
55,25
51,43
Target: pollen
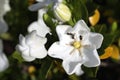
77,44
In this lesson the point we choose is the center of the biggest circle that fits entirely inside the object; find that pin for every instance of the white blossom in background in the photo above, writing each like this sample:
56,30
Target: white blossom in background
4,8
43,4
58,8
32,46
76,46
4,64
61,11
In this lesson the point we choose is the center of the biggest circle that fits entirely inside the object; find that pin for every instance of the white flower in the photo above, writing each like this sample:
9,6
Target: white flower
40,26
32,46
4,8
76,46
4,64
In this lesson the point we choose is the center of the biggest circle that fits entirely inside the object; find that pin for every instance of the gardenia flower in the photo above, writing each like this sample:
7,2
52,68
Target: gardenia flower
76,46
40,26
32,46
4,64
4,8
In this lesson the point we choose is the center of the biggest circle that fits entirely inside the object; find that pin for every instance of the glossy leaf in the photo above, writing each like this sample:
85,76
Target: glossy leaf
90,72
17,55
78,9
44,69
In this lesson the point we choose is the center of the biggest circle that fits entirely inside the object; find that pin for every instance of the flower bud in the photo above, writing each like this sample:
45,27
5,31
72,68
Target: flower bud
31,69
62,12
95,18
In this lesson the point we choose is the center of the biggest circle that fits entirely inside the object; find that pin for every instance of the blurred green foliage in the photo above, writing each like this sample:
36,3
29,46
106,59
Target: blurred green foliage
20,17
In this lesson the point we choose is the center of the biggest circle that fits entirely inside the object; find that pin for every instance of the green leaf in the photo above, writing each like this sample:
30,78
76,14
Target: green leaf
52,25
49,22
16,55
78,9
91,6
74,77
101,28
90,72
45,67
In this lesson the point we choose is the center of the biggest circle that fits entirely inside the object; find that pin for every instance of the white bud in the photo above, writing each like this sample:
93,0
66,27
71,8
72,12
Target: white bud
62,12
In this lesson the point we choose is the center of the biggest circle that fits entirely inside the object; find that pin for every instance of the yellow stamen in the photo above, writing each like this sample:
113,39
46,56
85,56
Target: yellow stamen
77,44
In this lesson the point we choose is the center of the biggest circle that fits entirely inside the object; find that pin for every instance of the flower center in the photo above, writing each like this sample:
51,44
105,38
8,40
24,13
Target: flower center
77,44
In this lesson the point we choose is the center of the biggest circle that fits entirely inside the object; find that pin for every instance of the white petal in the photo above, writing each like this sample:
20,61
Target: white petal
60,0
4,7
4,64
40,26
92,57
24,49
40,0
37,6
62,34
44,28
80,25
22,46
59,51
41,12
25,52
95,39
36,45
32,46
38,51
3,27
41,30
45,1
49,1
21,49
77,56
22,40
62,29
79,71
33,38
42,4
72,66
27,58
